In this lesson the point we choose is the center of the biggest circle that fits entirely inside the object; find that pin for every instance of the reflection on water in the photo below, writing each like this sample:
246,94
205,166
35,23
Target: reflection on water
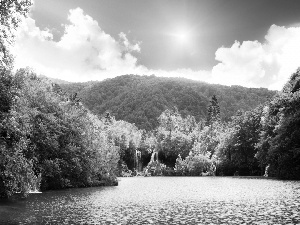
163,200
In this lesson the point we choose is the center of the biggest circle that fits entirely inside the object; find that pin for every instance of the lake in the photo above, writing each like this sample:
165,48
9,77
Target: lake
163,200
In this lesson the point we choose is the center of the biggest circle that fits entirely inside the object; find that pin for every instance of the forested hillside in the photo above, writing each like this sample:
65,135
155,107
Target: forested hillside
141,99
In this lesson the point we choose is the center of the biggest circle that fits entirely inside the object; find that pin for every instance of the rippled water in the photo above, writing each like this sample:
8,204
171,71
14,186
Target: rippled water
163,200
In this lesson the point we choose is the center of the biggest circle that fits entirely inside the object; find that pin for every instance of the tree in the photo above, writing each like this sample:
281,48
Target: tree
237,146
248,127
11,12
52,141
207,140
127,137
14,168
174,136
279,145
213,111
6,92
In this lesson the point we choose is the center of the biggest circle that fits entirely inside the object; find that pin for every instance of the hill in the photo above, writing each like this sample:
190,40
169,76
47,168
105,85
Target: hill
141,99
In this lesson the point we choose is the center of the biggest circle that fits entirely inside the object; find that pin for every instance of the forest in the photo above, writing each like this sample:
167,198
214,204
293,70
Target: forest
261,141
141,99
52,138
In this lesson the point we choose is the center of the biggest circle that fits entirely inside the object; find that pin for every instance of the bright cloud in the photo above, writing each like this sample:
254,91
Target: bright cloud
86,52
255,64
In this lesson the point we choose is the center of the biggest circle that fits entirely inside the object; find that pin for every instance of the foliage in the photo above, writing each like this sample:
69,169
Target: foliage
237,143
142,99
11,12
207,139
193,165
213,112
245,144
125,172
127,137
155,168
48,135
279,145
174,135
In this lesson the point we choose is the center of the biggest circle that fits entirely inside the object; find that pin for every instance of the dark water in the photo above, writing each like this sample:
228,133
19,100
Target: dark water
163,200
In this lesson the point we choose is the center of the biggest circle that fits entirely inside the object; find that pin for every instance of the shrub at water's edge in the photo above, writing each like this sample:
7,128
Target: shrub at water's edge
192,165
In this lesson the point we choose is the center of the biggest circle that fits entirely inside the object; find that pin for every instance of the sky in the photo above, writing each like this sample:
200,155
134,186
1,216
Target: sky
231,42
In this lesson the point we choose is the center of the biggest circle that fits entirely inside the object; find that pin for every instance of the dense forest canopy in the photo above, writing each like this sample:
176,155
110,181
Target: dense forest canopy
50,141
141,99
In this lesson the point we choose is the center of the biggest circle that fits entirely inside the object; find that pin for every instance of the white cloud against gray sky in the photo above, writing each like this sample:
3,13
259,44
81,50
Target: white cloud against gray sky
254,64
85,52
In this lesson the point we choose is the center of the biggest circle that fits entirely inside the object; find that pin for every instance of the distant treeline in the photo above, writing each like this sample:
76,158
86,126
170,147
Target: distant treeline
141,99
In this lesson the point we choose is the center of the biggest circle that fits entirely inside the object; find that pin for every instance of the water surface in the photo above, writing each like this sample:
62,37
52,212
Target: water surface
163,200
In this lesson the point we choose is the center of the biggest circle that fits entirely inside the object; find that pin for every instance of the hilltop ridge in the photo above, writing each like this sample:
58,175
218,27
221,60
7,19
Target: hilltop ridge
141,99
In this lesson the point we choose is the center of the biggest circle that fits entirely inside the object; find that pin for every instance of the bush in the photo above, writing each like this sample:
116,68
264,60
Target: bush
181,167
155,168
198,164
124,171
194,165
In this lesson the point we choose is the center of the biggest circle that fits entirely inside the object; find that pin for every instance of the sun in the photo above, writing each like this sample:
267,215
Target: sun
182,36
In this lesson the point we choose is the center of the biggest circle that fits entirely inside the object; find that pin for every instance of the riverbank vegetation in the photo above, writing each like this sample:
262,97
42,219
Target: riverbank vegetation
262,141
50,140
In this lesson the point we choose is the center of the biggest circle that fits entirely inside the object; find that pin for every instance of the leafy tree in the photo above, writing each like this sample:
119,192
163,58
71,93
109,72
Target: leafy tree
207,140
213,111
6,92
193,165
267,133
53,140
237,146
174,136
127,137
15,170
225,151
11,12
279,144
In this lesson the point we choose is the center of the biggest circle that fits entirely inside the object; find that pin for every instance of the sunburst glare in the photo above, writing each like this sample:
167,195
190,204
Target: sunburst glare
182,36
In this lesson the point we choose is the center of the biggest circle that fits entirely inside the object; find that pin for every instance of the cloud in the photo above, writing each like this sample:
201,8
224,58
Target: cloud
255,64
86,52
129,47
